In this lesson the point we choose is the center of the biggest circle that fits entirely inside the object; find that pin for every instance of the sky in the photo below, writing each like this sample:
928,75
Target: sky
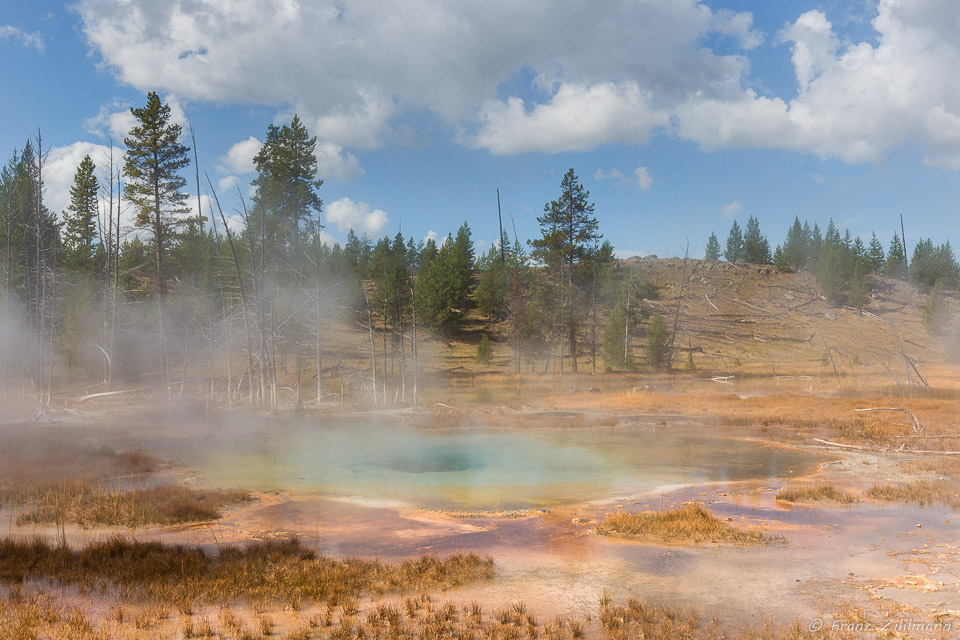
678,116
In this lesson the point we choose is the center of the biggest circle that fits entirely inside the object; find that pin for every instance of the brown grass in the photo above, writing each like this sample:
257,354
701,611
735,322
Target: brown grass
36,462
90,505
816,493
269,571
922,492
691,523
33,614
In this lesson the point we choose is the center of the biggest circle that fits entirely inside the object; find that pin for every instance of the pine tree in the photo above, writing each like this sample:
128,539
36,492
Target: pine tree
756,249
875,255
935,312
484,350
896,264
80,220
734,250
447,280
152,164
569,230
286,186
493,290
658,342
796,248
713,247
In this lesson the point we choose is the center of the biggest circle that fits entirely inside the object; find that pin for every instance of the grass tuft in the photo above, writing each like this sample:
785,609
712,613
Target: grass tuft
687,524
815,493
922,492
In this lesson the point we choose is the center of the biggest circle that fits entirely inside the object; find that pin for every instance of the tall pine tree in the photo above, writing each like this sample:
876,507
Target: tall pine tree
152,166
569,231
80,220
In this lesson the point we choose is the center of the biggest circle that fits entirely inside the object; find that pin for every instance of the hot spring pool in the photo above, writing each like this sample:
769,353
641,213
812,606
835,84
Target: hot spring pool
472,468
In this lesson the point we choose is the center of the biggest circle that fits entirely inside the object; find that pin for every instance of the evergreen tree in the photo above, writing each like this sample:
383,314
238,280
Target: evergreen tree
658,342
484,350
496,274
935,313
896,265
796,248
152,166
286,186
734,250
569,231
80,220
447,282
875,255
713,247
858,294
931,265
756,249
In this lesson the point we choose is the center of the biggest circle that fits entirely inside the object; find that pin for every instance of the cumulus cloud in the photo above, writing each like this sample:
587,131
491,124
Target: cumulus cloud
641,177
114,120
336,165
347,214
854,102
352,70
356,72
28,39
731,209
577,118
239,158
61,167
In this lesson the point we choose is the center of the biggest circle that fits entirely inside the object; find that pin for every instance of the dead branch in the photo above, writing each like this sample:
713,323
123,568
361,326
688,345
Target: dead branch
710,303
838,444
917,427
835,372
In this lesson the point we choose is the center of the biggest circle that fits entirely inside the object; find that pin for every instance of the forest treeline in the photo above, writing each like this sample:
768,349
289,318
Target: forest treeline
183,301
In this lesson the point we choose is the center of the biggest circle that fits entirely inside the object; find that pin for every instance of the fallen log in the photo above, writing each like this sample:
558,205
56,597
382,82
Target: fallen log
917,427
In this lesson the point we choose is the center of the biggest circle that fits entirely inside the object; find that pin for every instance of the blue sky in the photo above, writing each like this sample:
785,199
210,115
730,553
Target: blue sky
679,116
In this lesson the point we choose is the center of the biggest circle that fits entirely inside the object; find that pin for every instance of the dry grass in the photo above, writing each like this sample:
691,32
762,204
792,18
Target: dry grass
26,614
34,462
816,493
90,505
691,523
922,492
270,571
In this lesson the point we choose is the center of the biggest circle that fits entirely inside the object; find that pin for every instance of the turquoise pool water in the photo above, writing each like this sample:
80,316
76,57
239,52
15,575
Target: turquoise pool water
473,468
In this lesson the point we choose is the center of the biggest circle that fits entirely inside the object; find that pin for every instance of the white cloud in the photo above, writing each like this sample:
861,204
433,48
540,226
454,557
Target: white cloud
737,25
613,174
347,214
641,177
854,102
431,235
115,120
61,167
336,165
226,183
29,39
577,118
239,158
731,209
356,72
